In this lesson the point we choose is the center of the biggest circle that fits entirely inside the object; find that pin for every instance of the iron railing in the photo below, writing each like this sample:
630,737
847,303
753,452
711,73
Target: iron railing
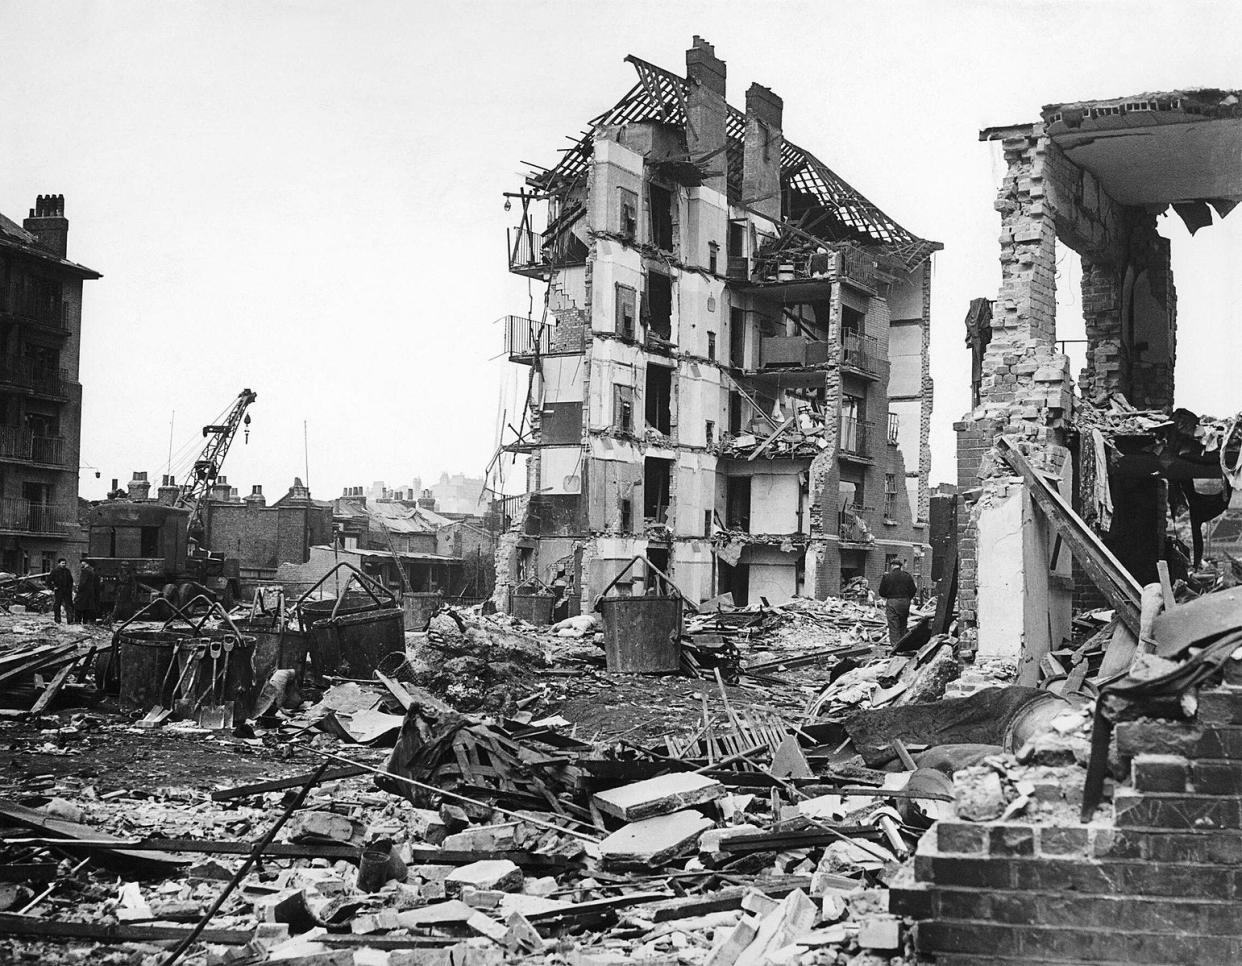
27,516
526,252
855,437
861,352
851,526
21,444
47,315
508,511
525,338
894,427
26,375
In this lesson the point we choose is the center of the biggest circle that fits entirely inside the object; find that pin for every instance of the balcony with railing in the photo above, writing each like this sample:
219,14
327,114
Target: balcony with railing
26,516
36,379
861,354
852,526
894,427
49,315
526,255
855,438
526,339
791,352
26,447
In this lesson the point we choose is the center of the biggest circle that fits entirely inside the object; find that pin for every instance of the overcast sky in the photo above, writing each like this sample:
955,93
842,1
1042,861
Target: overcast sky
304,198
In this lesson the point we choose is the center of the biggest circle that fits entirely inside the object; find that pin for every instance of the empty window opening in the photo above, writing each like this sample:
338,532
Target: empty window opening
711,346
658,399
852,322
623,409
661,200
737,503
735,413
709,433
627,301
627,515
713,253
659,304
658,557
149,542
734,580
890,496
627,216
737,338
853,430
737,239
707,523
657,482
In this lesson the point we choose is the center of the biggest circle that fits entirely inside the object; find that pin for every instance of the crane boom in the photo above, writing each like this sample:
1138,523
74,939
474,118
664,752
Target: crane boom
193,495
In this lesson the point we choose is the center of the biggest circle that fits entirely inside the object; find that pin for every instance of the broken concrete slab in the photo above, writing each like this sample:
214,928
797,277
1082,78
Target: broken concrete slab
439,913
658,796
652,841
488,874
788,761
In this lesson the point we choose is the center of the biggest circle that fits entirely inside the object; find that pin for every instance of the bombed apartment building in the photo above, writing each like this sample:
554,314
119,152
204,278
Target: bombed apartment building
1143,475
730,373
40,396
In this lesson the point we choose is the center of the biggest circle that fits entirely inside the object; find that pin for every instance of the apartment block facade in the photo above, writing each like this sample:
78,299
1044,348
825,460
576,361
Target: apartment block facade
730,374
40,395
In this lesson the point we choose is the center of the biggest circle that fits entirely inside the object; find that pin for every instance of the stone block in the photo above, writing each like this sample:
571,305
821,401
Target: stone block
1159,773
1179,811
653,841
879,932
489,874
1216,777
661,795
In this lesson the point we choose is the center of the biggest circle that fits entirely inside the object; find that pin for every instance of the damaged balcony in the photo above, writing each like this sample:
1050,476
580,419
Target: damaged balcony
50,317
795,270
36,380
23,446
852,529
527,340
856,440
860,354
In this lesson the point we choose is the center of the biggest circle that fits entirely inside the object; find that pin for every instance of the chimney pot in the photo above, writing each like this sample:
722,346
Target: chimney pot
703,67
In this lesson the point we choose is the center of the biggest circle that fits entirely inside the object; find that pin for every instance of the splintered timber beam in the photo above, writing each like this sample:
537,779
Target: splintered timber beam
1105,570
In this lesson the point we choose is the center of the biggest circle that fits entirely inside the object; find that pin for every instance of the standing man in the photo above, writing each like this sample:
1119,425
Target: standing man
897,588
61,582
88,594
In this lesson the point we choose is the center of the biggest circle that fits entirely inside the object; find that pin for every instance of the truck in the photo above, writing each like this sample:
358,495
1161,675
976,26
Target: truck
153,540
163,543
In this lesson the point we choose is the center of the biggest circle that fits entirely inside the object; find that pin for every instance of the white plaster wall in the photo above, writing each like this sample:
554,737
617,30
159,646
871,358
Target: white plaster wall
563,378
569,289
1001,576
561,469
708,221
615,166
905,298
692,569
695,492
909,418
698,399
699,309
905,355
772,574
614,363
774,503
615,264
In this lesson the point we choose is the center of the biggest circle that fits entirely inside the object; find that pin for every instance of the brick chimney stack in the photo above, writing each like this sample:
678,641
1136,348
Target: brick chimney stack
427,501
139,487
256,497
761,166
220,490
168,492
706,111
47,222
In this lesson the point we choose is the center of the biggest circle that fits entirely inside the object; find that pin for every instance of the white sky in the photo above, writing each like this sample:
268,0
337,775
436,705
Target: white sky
304,197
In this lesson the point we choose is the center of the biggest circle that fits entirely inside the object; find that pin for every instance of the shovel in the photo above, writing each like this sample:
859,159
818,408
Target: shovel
219,714
183,696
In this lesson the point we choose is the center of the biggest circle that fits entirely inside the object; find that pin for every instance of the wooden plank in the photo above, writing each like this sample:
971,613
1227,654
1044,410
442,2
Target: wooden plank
762,447
52,689
47,658
61,829
280,784
1105,570
56,930
1166,586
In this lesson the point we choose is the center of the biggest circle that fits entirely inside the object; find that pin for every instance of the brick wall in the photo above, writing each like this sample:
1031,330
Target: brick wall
1160,885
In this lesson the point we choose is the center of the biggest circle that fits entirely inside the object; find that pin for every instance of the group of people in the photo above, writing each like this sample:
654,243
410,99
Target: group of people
82,606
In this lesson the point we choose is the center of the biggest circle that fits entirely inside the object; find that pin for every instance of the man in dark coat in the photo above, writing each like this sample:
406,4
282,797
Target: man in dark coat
897,588
60,580
87,600
126,593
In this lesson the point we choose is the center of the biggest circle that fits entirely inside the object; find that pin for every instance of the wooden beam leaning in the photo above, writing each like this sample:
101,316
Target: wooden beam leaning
1105,570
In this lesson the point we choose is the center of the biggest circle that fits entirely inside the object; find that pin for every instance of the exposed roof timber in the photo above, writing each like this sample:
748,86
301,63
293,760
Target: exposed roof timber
660,95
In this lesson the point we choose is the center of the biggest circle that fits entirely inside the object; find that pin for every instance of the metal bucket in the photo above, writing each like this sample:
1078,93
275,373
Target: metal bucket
228,676
144,659
641,633
532,608
274,648
354,645
419,608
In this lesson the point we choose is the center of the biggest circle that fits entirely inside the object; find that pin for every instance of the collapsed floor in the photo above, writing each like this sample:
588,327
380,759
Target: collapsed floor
497,795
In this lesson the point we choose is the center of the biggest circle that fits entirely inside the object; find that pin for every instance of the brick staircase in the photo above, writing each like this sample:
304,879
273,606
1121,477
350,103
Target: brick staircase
1161,885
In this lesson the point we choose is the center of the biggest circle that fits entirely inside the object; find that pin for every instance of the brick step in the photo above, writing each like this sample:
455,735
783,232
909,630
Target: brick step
1190,739
1176,811
1054,944
1220,706
1212,846
1203,917
1173,773
1104,877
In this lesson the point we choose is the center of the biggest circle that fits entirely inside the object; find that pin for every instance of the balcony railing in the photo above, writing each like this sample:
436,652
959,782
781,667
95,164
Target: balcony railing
526,253
855,437
50,382
791,352
857,266
851,527
26,516
510,511
525,338
894,427
48,315
860,352
21,444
